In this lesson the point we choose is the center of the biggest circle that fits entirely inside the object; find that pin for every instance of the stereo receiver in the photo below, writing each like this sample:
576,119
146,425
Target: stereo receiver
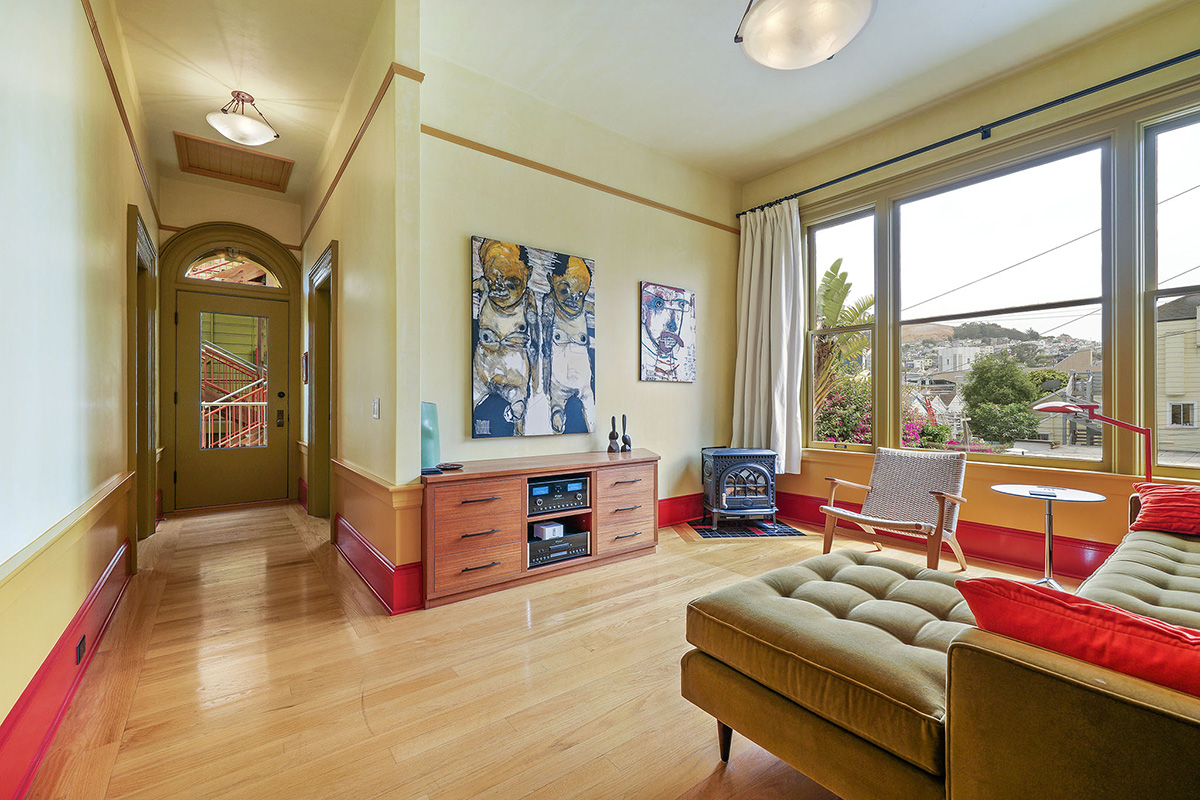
548,495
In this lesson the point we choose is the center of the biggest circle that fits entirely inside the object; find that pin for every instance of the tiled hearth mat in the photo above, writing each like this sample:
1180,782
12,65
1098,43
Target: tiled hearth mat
748,531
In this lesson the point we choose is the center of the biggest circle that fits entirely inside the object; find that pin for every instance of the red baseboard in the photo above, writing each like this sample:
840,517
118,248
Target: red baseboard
1076,558
398,588
27,731
685,508
302,496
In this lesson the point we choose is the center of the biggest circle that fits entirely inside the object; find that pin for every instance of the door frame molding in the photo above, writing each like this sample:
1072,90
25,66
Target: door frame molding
321,296
142,407
177,254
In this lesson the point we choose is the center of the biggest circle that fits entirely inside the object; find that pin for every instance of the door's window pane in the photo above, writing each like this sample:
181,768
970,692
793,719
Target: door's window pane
842,387
231,266
233,381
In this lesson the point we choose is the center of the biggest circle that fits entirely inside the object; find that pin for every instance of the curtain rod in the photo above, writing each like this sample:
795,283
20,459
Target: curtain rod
984,131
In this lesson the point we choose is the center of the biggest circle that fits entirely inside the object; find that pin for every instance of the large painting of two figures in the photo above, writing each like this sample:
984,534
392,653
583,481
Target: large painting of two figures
533,333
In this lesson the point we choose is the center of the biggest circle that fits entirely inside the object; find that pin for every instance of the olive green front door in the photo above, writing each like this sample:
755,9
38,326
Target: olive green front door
232,408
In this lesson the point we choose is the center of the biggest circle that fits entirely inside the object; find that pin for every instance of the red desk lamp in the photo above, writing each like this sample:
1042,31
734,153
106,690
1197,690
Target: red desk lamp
1063,407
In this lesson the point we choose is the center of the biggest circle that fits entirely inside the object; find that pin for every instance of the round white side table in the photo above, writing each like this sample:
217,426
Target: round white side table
1049,494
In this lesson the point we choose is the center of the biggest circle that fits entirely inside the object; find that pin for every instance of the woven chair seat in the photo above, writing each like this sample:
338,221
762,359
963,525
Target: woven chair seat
909,527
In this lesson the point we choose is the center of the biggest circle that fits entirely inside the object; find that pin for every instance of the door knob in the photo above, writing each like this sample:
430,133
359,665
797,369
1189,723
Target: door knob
279,418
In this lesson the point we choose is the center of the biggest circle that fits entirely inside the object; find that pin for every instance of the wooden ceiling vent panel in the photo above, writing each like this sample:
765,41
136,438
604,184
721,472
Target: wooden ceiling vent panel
231,163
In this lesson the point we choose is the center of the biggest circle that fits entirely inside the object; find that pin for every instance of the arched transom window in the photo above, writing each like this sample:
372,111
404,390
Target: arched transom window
229,265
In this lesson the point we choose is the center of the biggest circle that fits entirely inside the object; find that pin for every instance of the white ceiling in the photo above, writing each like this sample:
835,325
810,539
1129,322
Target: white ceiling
295,56
667,73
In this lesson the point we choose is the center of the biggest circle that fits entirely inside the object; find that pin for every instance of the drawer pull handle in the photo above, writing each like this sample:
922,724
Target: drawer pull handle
634,480
484,566
481,533
628,535
628,508
481,500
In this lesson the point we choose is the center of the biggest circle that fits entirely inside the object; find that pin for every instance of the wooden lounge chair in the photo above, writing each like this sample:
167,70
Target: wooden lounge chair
913,494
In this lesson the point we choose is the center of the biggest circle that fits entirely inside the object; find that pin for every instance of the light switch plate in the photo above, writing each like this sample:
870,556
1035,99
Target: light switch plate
375,408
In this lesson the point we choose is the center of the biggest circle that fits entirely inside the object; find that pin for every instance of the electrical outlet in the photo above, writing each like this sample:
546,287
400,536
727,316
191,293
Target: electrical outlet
375,408
80,649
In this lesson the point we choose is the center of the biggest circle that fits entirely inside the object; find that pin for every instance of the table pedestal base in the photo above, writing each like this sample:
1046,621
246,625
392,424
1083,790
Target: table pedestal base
1053,584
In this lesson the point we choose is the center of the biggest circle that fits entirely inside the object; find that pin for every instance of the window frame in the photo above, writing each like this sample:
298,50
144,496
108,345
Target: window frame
1149,130
886,200
812,332
1191,415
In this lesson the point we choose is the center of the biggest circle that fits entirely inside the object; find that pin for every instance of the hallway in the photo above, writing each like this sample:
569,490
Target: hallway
248,660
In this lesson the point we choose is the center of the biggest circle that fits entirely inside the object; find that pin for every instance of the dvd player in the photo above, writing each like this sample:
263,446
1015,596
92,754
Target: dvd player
548,551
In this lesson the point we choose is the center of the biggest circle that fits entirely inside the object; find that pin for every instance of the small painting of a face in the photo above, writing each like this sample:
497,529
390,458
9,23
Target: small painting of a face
668,333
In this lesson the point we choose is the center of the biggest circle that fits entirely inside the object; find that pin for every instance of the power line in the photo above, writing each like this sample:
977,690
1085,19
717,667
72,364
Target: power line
1037,255
999,271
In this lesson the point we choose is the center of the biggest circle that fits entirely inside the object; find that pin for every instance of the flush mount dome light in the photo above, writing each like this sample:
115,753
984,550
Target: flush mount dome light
790,34
232,122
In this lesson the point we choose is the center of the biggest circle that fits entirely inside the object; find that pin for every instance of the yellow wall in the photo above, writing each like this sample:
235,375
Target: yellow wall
465,193
64,302
361,216
187,201
1141,45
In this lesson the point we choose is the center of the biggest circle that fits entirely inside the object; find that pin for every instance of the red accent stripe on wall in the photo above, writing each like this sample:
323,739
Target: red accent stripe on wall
398,588
685,508
302,496
27,731
1076,558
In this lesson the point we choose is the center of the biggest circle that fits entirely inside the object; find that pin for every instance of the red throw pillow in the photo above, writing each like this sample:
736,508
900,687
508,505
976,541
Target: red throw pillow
1168,508
1105,635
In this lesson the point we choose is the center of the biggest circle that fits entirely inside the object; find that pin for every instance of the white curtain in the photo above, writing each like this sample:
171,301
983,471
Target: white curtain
771,336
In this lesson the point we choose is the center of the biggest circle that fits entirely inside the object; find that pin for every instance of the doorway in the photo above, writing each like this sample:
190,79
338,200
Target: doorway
232,407
322,320
230,367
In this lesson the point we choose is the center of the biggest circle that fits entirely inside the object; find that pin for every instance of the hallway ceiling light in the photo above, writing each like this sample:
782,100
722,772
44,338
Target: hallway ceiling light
790,34
232,122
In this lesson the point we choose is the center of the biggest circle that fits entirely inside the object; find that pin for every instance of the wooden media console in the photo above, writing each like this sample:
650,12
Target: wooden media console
478,525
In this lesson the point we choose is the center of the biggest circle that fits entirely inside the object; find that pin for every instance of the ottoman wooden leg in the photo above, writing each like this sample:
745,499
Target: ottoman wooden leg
724,739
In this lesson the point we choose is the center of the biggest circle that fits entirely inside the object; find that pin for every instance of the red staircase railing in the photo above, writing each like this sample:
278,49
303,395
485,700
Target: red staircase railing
233,400
222,373
236,420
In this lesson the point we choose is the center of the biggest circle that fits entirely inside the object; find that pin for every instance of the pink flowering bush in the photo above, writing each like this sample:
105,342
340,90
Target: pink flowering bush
845,414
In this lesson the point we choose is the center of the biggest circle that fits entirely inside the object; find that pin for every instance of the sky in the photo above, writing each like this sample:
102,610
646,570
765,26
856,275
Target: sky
1037,229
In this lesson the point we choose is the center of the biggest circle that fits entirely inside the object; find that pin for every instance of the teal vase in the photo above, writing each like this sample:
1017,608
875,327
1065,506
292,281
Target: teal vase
431,441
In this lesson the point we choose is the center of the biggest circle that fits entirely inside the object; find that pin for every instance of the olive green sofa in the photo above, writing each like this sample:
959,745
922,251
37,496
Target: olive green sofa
867,674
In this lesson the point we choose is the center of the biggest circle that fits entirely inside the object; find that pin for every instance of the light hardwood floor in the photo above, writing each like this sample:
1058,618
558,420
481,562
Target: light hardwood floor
248,660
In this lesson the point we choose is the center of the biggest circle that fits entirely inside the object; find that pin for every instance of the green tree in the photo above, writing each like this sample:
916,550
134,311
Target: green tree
993,422
836,354
1041,379
1025,352
997,379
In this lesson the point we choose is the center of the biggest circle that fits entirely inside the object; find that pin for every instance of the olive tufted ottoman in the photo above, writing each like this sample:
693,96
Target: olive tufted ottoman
837,665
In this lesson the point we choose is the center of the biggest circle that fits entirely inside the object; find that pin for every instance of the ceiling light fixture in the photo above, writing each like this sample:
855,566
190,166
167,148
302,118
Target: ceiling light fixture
790,34
232,122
